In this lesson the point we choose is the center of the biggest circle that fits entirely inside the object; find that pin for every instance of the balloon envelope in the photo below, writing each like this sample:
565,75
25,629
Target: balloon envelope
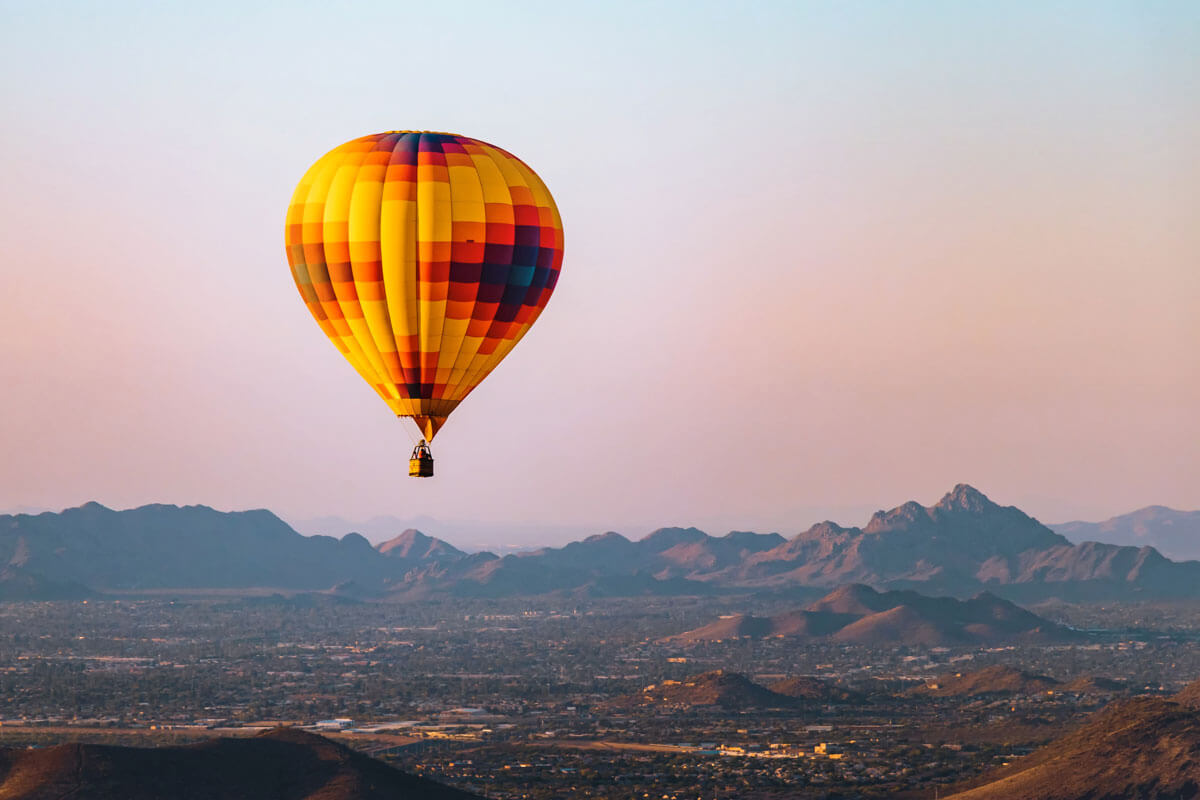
424,257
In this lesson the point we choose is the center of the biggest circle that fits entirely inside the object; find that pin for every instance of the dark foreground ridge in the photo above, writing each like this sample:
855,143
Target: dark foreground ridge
1147,748
283,764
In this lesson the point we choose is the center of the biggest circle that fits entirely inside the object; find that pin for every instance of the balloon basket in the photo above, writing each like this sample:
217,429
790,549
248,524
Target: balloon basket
420,464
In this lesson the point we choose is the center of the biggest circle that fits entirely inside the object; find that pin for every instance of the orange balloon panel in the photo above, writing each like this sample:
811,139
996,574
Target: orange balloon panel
424,257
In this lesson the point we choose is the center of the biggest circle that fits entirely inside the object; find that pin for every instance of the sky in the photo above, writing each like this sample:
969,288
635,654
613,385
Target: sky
821,258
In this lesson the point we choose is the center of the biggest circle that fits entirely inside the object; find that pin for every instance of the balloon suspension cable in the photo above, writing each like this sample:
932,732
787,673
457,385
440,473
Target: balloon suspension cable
412,437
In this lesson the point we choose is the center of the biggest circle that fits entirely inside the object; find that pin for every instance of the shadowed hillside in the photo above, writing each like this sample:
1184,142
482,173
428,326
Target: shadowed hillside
284,764
20,584
802,624
728,690
816,690
159,546
996,679
857,614
999,679
1146,748
416,546
1189,697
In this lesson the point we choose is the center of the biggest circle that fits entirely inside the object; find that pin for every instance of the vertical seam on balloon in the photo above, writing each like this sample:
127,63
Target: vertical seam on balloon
380,145
365,366
484,363
534,182
402,292
390,333
488,155
418,322
316,196
435,402
427,326
366,343
448,395
297,262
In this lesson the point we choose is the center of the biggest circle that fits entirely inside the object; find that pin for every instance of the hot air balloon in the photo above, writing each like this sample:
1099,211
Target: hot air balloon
424,257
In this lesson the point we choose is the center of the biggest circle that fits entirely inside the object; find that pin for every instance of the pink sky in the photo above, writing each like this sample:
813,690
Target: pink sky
819,260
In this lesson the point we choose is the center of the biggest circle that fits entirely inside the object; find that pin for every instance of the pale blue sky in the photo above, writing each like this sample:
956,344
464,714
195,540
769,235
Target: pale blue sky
871,249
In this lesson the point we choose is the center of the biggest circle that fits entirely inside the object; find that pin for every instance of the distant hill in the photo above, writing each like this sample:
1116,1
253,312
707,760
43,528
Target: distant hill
1175,534
902,625
727,690
816,690
284,764
802,624
857,600
468,535
414,546
603,565
162,546
857,614
994,680
1147,748
1094,685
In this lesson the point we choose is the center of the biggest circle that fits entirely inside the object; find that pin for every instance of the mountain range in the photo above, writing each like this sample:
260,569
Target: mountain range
285,764
498,537
962,545
857,614
1175,534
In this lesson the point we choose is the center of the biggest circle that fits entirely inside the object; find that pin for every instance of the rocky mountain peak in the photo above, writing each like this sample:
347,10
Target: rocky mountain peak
405,541
850,598
412,543
607,536
964,497
906,515
669,537
355,540
753,541
826,528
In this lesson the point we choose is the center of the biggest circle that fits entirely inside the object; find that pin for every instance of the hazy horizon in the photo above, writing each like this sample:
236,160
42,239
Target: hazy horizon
818,259
512,535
